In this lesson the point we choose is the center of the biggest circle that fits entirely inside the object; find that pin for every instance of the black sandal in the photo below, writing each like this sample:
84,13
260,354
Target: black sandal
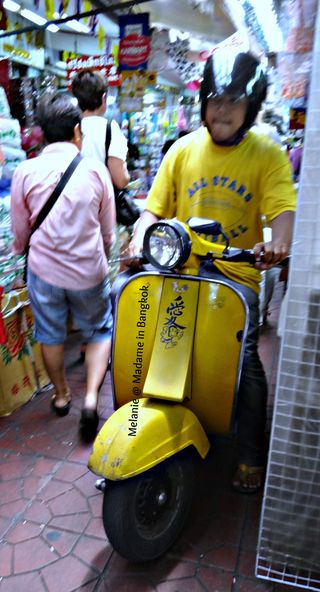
62,410
88,426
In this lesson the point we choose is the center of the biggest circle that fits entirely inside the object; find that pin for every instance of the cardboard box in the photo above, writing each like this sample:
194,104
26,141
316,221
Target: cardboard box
22,373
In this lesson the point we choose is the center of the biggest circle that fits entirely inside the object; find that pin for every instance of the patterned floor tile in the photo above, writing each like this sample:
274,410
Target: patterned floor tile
53,538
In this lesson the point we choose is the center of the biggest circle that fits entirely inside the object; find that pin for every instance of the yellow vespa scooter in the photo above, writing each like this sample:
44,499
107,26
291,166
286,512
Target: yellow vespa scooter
176,358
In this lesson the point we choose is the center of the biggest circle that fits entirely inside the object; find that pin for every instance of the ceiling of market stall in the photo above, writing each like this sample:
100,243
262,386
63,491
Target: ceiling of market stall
204,22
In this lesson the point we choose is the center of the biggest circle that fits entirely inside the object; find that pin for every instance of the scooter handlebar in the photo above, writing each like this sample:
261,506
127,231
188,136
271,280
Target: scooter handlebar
234,255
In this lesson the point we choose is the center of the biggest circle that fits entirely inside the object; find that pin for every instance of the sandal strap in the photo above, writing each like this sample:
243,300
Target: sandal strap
250,470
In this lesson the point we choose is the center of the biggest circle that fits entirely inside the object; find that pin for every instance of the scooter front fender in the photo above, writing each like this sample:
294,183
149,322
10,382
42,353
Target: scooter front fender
143,433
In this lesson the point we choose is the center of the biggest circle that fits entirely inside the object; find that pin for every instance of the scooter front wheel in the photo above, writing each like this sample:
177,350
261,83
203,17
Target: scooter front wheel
144,515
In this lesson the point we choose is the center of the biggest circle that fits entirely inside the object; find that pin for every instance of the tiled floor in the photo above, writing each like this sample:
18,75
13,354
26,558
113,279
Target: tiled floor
52,537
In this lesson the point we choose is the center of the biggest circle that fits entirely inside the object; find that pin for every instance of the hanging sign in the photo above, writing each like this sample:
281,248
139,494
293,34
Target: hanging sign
135,44
101,63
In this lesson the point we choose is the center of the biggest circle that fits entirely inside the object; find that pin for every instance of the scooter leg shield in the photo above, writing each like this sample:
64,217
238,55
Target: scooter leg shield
143,433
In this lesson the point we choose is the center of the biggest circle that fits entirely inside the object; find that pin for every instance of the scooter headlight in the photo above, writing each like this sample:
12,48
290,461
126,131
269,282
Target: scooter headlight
167,244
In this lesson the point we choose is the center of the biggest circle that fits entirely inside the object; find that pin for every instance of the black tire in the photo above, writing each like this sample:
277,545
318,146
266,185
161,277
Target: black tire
144,515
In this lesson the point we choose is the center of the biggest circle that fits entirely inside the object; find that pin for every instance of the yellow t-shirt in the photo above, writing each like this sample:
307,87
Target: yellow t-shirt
234,185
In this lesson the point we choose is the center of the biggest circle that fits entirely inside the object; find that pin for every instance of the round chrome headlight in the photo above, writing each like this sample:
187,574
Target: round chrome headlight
166,244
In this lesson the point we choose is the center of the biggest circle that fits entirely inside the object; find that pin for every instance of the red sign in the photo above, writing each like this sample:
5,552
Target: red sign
102,63
134,50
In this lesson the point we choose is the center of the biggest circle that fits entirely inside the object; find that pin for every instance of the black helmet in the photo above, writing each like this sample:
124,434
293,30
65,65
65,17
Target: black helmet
238,77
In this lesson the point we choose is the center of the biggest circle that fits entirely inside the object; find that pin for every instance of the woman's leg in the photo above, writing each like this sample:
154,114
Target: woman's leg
53,357
96,360
50,310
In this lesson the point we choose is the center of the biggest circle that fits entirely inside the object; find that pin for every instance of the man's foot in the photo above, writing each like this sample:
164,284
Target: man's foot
248,479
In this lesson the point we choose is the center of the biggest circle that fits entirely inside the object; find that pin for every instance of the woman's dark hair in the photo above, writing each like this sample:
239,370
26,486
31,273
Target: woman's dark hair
89,87
57,115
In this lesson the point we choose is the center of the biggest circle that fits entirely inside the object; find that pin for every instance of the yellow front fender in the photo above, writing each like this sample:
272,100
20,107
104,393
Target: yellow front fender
141,434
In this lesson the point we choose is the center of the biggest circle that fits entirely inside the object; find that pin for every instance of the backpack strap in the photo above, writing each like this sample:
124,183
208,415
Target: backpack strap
108,140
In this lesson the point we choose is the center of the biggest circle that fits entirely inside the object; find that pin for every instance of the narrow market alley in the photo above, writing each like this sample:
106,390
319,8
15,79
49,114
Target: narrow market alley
52,536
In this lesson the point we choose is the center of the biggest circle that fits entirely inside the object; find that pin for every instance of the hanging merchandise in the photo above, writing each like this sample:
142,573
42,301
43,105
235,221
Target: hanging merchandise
101,37
294,71
297,18
159,53
63,6
297,118
133,87
203,6
181,119
190,72
254,26
3,17
49,8
301,16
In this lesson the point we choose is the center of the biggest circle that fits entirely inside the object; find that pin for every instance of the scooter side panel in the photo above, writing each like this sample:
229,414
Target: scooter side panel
136,321
220,326
143,433
169,370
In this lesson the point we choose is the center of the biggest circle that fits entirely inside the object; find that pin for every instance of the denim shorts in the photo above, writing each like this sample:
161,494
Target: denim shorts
90,310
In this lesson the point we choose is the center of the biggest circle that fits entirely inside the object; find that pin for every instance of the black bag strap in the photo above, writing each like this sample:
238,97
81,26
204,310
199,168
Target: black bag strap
56,192
108,141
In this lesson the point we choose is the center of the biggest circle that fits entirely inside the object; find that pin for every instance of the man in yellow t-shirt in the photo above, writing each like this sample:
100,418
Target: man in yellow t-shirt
225,172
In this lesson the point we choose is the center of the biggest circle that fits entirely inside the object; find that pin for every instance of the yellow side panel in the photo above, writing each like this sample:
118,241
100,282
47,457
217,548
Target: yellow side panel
136,321
217,347
169,371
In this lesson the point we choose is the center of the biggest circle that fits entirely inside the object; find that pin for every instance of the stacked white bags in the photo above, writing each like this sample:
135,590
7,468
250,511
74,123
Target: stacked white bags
10,138
11,266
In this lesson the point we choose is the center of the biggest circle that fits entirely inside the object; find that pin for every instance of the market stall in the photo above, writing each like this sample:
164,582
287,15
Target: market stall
22,373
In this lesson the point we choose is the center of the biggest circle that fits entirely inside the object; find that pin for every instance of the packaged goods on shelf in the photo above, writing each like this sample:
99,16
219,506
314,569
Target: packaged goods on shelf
11,266
4,105
12,157
10,133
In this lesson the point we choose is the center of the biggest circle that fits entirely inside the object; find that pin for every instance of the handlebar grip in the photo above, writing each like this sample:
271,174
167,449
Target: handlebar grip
234,255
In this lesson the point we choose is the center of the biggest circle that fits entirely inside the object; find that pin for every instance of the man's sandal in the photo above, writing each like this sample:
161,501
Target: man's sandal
248,479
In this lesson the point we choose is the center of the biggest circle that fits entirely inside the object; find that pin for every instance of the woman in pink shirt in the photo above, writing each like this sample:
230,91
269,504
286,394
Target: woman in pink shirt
67,263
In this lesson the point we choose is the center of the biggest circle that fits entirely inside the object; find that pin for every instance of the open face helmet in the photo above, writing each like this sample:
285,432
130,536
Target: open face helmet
236,76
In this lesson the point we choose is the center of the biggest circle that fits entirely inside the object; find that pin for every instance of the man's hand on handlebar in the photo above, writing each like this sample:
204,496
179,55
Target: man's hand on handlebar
133,255
269,254
134,250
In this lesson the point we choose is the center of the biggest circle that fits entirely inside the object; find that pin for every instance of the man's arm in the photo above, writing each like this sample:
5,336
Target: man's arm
118,171
278,248
107,213
136,244
20,215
